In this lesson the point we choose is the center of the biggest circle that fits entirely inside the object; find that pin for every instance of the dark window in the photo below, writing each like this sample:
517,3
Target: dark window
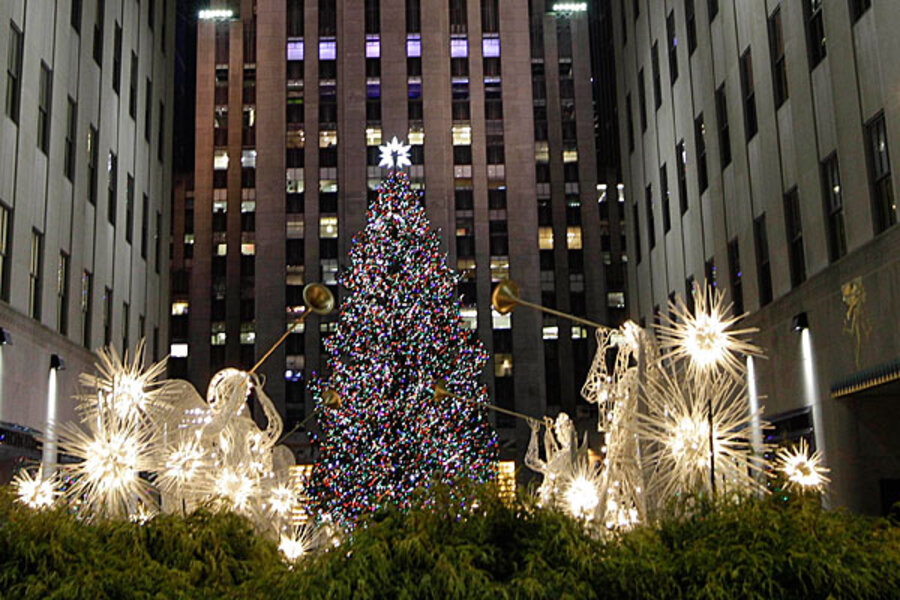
98,31
458,17
815,30
151,13
689,293
69,156
858,8
636,229
133,87
883,206
651,226
724,135
834,208
776,50
630,119
5,248
45,102
624,22
161,131
87,302
93,159
734,266
295,18
657,86
642,103
75,15
763,266
499,243
107,316
62,294
709,272
129,208
636,8
794,229
490,16
327,17
112,187
157,241
36,267
690,20
117,59
372,16
748,93
664,195
145,225
413,23
681,172
712,8
673,47
148,109
14,73
700,143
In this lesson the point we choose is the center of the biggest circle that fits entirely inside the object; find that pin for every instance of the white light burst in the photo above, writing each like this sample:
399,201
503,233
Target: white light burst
282,500
705,337
184,464
114,453
394,153
34,492
236,487
675,429
801,469
125,386
580,493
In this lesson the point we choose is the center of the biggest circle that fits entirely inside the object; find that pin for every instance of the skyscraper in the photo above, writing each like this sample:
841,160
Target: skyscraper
293,99
84,195
757,156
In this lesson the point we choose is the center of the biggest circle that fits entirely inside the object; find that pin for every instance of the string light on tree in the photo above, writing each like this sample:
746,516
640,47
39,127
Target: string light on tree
802,470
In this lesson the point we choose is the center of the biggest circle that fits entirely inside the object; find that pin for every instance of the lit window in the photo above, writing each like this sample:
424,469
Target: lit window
248,206
503,364
499,321
579,333
327,50
576,282
373,136
469,316
615,299
248,332
462,135
221,249
328,227
416,137
189,238
326,184
248,249
294,181
328,138
551,332
294,275
570,156
295,226
329,271
542,152
295,362
573,238
490,47
413,46
459,47
545,238
248,159
220,206
373,46
178,350
218,333
466,268
499,268
220,160
296,137
295,50
180,308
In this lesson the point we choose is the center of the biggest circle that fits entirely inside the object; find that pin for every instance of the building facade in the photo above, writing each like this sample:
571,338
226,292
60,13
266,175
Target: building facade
757,156
84,194
293,99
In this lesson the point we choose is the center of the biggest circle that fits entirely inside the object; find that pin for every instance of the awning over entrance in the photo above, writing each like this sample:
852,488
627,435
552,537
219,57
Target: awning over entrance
868,379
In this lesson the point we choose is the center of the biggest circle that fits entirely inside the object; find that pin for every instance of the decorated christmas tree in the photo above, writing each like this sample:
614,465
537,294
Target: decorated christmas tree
384,433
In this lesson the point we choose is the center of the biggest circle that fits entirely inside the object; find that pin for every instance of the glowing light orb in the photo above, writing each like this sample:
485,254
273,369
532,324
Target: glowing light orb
183,464
581,497
282,499
34,492
236,487
801,469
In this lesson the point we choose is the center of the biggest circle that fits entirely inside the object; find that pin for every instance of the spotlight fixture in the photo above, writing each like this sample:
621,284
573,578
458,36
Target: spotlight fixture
56,362
799,322
5,337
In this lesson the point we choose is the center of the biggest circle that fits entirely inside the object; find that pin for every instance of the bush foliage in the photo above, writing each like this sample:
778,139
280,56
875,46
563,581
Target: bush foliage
739,548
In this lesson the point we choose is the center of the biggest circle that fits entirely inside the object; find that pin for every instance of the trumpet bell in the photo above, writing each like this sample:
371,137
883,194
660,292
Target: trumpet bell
440,389
331,399
505,296
318,298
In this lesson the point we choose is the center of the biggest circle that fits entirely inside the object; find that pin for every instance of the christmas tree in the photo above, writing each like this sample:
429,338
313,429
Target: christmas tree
399,334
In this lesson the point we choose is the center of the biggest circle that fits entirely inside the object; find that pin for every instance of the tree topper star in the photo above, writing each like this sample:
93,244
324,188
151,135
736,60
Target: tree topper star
390,149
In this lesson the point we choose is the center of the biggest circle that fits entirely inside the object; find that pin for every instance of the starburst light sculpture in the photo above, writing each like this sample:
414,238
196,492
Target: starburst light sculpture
802,470
34,492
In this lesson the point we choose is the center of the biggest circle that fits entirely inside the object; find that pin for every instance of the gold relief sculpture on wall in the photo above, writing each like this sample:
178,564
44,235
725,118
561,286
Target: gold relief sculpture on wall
856,323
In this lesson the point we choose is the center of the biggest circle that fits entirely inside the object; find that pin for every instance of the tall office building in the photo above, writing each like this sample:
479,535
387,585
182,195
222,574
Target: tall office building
758,147
84,196
293,99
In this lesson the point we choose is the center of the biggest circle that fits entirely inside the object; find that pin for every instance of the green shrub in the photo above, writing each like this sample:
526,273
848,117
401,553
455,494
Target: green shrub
735,548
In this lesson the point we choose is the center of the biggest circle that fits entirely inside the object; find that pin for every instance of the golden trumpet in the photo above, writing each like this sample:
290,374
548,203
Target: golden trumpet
331,399
441,392
506,297
318,299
